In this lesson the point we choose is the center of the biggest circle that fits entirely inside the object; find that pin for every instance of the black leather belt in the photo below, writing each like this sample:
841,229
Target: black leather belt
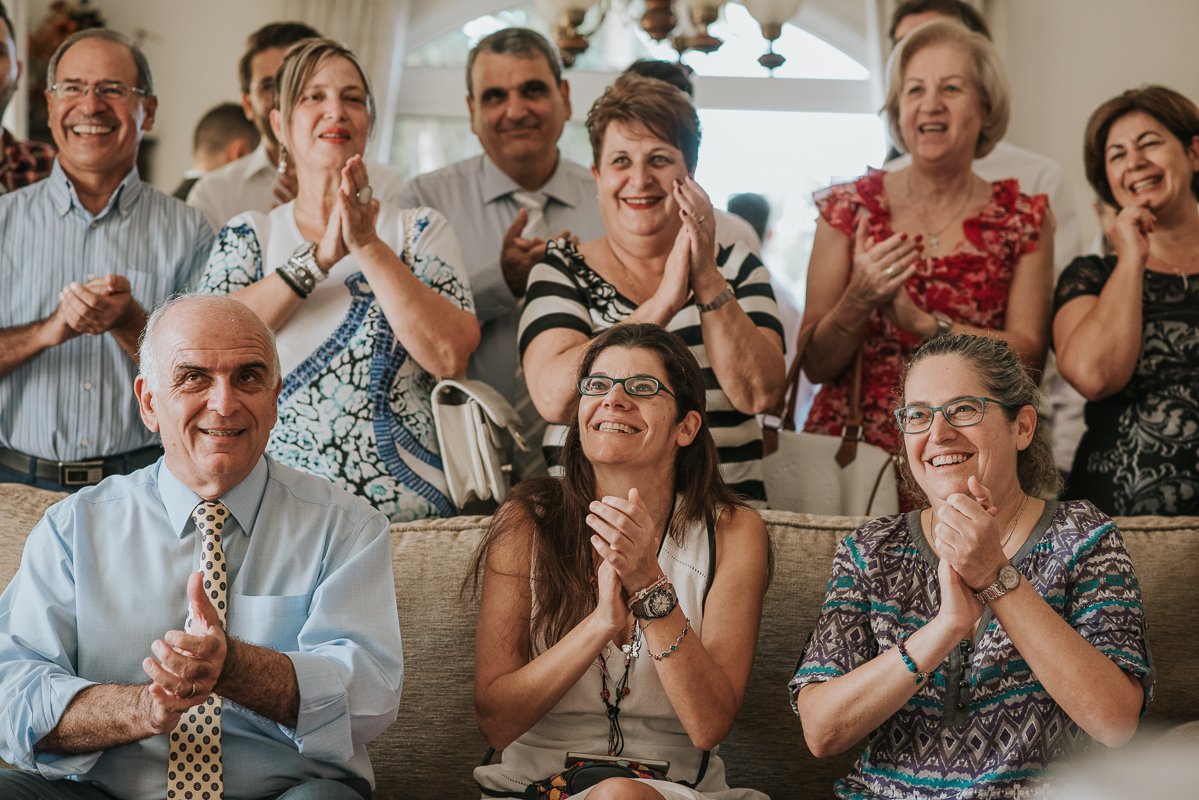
79,473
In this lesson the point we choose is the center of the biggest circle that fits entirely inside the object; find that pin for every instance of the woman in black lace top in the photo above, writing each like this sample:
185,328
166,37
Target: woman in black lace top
1137,362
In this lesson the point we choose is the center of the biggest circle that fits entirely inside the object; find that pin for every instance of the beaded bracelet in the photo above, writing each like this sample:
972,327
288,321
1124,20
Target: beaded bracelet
921,677
677,642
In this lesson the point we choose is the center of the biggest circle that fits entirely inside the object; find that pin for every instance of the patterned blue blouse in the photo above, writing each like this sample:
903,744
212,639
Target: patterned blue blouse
983,726
355,407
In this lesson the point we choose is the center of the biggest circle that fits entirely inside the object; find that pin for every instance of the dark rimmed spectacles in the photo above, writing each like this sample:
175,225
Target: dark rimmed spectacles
112,91
961,412
635,385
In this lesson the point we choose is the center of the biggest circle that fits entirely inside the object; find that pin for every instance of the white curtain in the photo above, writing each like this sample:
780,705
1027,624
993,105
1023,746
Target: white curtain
376,30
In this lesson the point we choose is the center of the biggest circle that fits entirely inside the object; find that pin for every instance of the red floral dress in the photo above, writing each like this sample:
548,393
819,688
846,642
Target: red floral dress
969,285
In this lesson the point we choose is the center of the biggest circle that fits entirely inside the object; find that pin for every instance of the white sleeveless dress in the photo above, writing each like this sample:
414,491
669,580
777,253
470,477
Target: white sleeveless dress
579,724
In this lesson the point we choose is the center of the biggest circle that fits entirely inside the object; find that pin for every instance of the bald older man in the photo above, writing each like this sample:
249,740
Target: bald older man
277,679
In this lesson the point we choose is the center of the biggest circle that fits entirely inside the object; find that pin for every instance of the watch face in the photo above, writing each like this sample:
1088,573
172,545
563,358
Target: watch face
1009,576
658,603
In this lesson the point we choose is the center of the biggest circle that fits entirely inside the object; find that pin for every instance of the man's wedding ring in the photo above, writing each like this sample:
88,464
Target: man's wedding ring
364,195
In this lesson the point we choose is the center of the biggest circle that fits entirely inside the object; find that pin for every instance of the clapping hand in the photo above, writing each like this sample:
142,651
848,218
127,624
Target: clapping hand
966,535
518,254
186,665
626,537
99,306
358,219
881,268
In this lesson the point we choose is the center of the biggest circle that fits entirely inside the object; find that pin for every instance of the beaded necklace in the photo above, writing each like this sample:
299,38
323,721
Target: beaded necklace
621,687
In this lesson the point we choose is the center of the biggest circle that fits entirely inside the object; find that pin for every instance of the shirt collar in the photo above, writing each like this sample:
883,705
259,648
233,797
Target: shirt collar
497,184
258,161
243,500
64,196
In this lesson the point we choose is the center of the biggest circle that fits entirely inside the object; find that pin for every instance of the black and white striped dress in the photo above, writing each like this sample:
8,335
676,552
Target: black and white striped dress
564,292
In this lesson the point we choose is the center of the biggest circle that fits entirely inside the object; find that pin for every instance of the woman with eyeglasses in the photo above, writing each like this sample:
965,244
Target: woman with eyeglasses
658,262
620,603
369,302
976,639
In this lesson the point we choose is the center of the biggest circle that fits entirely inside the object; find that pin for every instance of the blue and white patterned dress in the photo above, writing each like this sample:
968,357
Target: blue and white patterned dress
983,726
356,408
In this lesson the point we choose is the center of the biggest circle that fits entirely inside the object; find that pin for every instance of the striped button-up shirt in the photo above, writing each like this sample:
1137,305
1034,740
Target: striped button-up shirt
75,401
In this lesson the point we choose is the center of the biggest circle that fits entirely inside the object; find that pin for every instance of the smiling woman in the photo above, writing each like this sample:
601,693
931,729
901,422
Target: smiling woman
901,257
620,603
361,352
658,262
988,633
1126,328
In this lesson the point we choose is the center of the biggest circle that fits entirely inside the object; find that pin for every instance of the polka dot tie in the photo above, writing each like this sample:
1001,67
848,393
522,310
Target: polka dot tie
194,768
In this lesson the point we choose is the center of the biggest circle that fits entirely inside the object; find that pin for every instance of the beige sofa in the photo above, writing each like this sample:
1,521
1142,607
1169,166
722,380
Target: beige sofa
431,749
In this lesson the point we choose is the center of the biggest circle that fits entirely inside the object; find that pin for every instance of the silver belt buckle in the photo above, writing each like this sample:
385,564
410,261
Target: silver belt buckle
80,473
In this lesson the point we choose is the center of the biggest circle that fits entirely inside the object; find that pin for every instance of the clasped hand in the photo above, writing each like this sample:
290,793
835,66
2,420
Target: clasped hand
94,308
691,265
186,665
626,540
967,540
351,225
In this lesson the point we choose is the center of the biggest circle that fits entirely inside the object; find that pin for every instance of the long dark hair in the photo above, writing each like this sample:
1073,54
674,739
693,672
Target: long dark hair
560,542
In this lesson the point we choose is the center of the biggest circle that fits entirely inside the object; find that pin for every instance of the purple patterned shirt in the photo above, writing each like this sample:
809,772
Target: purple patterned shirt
983,726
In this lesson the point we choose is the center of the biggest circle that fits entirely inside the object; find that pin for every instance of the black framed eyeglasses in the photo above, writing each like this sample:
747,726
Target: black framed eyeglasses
961,412
635,385
112,91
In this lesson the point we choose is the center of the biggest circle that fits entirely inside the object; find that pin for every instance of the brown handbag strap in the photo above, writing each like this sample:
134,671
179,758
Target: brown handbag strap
851,432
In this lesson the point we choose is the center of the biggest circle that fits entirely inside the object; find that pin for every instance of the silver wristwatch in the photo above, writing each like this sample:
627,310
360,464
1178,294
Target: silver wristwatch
1009,578
302,272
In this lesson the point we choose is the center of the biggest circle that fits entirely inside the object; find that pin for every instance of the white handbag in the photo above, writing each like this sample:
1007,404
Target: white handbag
473,421
816,473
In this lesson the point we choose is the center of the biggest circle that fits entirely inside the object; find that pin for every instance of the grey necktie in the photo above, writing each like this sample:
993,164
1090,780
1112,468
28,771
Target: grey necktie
534,203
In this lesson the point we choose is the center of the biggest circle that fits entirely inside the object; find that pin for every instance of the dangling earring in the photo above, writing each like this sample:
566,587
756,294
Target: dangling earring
281,167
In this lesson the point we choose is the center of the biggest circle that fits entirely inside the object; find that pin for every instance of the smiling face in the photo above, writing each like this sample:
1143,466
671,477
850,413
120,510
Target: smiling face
944,457
1146,165
214,402
619,429
330,120
94,135
635,177
518,109
940,107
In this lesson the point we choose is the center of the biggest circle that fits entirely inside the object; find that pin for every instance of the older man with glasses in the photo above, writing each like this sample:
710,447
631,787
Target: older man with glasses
82,255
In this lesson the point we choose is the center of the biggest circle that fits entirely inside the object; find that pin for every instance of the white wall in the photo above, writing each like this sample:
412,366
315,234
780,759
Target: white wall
1065,57
193,50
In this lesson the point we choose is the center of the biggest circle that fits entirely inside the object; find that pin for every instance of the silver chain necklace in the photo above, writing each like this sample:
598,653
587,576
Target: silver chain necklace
934,237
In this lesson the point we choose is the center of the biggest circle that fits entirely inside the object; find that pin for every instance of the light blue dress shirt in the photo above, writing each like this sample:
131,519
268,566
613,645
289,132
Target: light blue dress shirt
75,401
104,573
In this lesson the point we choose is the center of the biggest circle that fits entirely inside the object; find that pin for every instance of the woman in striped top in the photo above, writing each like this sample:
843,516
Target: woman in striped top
658,262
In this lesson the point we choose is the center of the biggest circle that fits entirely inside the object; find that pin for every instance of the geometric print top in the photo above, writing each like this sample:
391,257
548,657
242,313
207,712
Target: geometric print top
982,726
968,284
1140,452
355,407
